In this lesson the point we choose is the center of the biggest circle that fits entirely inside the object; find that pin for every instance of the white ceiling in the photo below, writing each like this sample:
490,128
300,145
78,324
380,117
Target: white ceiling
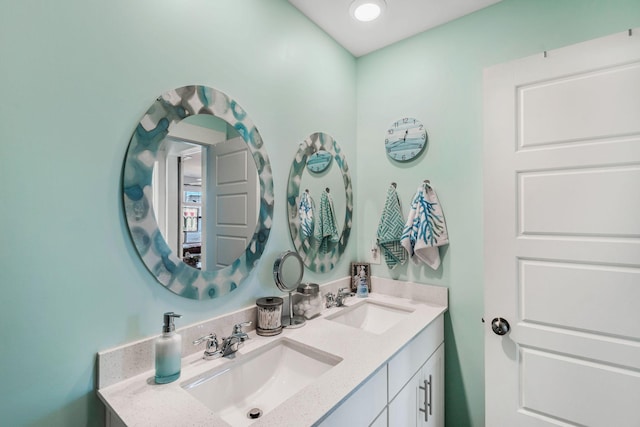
402,19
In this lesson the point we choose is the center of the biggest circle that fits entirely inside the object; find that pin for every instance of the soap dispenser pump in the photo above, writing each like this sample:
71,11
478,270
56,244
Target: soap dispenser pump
168,351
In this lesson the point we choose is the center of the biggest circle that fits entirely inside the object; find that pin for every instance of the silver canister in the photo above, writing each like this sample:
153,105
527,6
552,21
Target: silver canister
269,316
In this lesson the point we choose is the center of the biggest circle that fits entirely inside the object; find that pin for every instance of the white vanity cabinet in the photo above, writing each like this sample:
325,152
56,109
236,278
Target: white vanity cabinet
413,380
376,383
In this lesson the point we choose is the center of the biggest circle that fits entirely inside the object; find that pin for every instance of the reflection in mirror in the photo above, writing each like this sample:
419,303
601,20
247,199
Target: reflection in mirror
314,184
308,210
206,192
168,215
319,161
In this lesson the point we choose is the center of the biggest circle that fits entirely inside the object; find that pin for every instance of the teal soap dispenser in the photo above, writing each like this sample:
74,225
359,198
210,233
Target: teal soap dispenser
168,351
362,291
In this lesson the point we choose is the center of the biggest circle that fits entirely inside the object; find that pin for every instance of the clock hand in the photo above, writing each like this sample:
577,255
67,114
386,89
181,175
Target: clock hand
405,135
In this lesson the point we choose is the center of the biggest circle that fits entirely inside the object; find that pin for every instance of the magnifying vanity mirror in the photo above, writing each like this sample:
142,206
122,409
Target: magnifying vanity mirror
198,192
304,195
287,272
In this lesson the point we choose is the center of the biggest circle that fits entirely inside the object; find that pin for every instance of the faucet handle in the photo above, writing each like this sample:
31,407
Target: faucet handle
212,342
238,332
237,328
330,299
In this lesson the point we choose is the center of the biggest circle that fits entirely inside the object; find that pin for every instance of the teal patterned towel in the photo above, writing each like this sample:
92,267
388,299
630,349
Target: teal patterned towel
325,231
390,231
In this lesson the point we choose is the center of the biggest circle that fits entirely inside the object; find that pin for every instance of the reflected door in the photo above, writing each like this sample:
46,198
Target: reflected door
562,237
232,205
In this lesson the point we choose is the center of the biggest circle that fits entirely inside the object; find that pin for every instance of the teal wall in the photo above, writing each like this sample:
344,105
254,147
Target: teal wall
76,77
437,78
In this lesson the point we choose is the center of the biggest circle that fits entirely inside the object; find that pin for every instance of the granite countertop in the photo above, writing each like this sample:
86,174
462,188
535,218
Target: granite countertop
138,401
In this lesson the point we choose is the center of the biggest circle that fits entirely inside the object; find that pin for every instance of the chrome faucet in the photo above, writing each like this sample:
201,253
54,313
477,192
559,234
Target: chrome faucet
229,345
233,342
337,300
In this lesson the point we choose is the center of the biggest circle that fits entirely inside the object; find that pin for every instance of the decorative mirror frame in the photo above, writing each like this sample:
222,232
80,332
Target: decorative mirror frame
168,269
315,261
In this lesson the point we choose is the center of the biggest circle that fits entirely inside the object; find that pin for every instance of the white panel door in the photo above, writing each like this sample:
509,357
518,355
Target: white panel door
562,236
232,207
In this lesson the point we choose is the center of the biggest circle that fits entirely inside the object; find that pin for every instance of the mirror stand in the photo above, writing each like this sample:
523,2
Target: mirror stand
287,272
292,321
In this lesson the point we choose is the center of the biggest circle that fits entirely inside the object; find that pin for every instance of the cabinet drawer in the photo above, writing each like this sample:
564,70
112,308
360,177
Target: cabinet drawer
411,357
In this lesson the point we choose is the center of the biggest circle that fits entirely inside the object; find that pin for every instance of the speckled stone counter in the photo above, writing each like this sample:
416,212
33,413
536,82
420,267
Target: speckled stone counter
130,392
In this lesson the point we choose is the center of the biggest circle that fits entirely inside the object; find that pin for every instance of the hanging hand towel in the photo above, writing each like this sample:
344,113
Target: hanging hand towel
425,229
390,231
325,230
305,212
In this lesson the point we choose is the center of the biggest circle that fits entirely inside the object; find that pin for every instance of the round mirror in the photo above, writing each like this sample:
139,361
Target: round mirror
287,271
196,168
329,196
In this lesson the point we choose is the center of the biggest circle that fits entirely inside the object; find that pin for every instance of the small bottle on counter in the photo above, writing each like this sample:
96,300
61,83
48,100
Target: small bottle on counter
168,351
362,291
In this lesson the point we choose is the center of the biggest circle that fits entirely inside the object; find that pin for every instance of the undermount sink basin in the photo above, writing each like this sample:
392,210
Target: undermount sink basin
259,380
371,316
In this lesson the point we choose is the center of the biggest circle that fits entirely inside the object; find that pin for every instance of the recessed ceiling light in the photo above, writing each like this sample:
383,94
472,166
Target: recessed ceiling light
366,10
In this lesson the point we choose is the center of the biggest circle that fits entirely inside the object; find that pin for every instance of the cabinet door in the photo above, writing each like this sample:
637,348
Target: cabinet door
421,401
381,421
403,409
431,391
363,406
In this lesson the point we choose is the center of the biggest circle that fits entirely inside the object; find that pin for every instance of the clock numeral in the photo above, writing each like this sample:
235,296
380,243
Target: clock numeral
405,120
390,131
421,127
422,135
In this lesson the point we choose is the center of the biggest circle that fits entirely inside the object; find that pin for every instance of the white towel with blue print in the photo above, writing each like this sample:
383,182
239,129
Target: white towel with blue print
305,212
425,230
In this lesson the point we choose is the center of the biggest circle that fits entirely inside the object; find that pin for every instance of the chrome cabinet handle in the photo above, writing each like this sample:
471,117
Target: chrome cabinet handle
428,395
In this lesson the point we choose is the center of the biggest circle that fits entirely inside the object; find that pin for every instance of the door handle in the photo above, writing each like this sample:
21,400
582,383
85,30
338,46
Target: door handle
500,326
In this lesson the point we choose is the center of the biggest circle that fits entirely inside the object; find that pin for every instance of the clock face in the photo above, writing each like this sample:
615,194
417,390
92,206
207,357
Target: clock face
405,139
319,161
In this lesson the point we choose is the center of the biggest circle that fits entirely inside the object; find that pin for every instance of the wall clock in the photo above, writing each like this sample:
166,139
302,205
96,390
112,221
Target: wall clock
405,139
319,161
